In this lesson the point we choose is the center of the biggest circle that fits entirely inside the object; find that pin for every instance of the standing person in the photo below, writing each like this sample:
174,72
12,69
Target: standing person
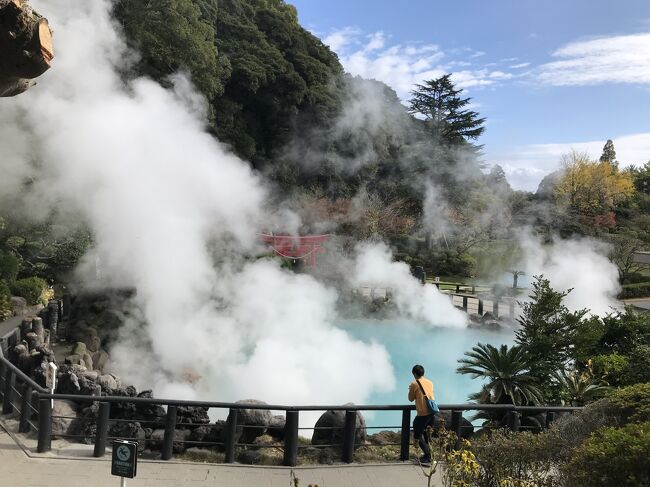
419,390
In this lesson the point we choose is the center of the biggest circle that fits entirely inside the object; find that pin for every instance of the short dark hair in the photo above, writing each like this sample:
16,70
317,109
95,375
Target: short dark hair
418,371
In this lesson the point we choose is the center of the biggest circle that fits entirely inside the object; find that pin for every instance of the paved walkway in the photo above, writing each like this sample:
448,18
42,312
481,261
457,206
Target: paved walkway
25,468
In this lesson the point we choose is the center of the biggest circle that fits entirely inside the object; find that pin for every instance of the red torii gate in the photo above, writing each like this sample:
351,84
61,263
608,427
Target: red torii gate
305,247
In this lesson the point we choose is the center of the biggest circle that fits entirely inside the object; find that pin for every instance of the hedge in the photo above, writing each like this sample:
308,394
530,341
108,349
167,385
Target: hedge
638,290
612,457
30,288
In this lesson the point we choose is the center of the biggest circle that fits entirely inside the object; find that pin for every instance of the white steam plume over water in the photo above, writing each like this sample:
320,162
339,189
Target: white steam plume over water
581,264
168,206
375,266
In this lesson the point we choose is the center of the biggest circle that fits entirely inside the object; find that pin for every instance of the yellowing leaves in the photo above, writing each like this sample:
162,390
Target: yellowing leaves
592,187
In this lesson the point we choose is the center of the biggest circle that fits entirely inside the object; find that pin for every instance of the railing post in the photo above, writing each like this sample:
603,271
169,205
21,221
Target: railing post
457,288
480,307
465,303
512,420
102,428
291,439
511,310
495,307
406,435
25,410
8,396
231,435
550,417
456,426
349,430
170,428
44,425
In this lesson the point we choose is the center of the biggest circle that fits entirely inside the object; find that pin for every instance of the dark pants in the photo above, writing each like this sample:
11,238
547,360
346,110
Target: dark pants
420,432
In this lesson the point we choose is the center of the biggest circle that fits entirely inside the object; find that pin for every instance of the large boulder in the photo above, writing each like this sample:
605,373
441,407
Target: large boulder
178,444
276,427
252,423
329,429
18,306
444,418
208,433
129,430
190,416
100,361
65,420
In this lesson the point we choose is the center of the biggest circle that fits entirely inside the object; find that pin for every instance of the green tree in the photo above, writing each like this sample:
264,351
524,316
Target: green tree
171,35
547,332
507,372
444,112
609,154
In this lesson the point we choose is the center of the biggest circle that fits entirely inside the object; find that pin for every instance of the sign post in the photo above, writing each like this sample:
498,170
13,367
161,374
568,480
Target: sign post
124,462
50,378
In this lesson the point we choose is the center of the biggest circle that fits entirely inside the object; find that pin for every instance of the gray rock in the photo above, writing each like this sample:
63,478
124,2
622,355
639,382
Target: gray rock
18,305
100,361
74,360
329,429
178,445
131,430
107,382
252,422
79,348
91,375
64,418
249,457
209,433
276,427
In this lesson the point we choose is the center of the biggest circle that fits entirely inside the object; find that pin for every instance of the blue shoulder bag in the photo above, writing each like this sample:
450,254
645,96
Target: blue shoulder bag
431,403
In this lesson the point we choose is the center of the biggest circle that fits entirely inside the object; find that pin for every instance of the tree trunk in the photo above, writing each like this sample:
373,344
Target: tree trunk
25,46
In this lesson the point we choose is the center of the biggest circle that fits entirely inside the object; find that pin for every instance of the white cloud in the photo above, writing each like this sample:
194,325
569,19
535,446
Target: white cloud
402,66
526,166
520,65
619,59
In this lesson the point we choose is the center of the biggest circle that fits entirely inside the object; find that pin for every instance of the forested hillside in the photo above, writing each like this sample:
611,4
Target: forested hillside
346,153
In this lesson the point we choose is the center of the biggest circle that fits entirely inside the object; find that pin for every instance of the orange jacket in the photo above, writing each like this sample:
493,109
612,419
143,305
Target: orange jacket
415,394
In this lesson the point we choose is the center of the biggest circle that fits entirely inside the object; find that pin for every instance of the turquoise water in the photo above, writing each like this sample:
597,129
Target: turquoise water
437,349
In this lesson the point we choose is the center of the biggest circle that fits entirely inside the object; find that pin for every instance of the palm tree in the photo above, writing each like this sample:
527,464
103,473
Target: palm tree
506,370
578,388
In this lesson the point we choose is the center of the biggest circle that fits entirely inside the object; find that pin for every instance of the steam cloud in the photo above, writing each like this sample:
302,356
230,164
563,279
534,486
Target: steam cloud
578,264
374,265
173,215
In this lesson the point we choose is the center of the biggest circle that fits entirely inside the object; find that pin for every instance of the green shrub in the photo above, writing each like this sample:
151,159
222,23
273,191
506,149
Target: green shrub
638,290
514,459
30,288
639,369
5,301
8,266
612,367
612,457
630,404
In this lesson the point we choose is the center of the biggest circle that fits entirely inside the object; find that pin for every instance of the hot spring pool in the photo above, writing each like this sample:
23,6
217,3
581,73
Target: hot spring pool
437,349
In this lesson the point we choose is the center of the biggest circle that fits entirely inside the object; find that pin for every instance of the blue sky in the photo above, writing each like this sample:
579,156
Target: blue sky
550,76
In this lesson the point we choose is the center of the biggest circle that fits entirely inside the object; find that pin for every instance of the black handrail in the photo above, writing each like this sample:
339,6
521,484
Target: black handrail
278,407
44,399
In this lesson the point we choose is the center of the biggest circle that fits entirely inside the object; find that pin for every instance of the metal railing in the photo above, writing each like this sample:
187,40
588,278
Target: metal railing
31,393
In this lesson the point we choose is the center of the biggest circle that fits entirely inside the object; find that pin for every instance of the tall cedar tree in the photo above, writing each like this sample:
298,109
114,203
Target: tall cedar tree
444,112
609,153
547,333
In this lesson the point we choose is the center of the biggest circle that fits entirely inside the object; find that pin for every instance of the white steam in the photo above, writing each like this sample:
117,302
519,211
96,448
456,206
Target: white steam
172,214
375,266
578,264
